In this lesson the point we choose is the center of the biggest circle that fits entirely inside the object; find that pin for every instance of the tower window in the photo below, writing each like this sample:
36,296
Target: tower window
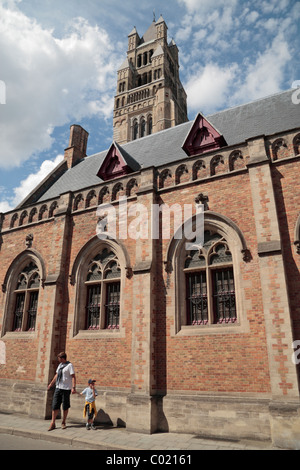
150,125
135,131
143,128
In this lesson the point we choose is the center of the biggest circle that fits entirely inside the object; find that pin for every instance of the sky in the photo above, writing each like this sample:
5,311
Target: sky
59,62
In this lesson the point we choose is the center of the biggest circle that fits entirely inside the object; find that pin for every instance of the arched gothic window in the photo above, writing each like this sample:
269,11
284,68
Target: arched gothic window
150,125
103,291
26,296
135,130
210,288
143,128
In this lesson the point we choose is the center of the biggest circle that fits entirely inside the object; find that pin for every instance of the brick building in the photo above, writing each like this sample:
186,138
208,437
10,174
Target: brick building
193,340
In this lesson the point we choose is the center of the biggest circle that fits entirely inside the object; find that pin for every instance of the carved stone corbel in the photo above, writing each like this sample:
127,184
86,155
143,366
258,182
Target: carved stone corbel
29,240
246,255
129,272
202,199
297,245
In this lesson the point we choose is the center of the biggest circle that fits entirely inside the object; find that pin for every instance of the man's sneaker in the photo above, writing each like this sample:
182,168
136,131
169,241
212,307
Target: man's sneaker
93,427
87,426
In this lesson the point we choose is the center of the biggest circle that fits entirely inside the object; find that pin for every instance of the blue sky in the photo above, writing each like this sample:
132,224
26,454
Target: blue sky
59,61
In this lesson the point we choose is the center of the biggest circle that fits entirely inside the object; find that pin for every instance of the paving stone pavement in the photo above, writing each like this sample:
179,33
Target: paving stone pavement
114,438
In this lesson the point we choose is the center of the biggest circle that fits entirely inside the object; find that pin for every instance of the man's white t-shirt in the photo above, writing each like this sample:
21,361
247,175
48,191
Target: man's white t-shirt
65,382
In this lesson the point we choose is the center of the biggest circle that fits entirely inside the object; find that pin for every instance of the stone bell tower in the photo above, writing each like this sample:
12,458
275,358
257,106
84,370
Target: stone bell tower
150,96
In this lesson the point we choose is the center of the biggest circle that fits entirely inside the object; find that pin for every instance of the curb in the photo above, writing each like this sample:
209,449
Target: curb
72,441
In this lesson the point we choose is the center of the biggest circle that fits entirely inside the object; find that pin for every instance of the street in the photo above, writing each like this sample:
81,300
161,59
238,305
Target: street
12,442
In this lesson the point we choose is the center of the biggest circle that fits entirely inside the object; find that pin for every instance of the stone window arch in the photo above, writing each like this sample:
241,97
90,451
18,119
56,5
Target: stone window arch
103,291
131,187
180,171
43,212
99,274
206,284
22,288
236,160
198,170
23,218
90,199
13,220
296,144
279,149
32,215
210,287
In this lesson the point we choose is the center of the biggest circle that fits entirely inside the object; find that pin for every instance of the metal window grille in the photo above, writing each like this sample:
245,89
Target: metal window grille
93,307
197,298
32,310
112,306
19,309
224,296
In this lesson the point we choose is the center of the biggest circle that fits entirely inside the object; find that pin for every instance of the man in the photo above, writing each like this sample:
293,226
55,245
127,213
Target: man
65,384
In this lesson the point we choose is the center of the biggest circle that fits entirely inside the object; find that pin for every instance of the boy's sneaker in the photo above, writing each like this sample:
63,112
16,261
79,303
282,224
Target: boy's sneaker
93,427
87,426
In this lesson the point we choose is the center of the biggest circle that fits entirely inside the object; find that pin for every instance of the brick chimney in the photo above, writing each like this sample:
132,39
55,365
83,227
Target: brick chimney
77,145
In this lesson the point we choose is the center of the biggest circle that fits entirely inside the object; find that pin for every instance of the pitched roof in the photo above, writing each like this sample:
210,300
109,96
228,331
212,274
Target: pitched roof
150,34
116,163
266,116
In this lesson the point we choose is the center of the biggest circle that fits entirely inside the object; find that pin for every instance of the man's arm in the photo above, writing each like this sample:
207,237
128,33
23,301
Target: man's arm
73,383
52,382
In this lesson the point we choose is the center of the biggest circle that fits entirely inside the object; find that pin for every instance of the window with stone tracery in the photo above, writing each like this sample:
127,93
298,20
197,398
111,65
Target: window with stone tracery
26,296
210,288
103,292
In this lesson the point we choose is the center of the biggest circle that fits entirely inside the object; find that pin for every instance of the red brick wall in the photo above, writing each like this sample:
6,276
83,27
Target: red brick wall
21,354
221,362
287,195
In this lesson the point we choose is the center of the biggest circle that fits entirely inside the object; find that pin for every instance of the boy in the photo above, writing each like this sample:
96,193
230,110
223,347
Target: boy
90,394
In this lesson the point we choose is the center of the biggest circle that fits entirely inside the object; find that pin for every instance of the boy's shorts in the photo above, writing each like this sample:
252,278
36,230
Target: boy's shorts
61,397
90,414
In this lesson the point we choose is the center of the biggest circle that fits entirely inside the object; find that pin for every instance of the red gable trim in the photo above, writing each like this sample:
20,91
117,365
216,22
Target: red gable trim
203,137
114,165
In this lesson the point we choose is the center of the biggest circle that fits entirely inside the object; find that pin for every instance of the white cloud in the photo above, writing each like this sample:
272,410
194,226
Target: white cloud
205,6
208,89
265,76
28,184
252,17
49,81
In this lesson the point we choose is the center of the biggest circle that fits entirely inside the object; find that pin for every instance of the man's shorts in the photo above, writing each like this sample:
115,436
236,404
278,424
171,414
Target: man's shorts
61,397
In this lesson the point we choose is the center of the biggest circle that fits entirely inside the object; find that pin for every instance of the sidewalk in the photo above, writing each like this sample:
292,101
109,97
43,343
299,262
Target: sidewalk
112,438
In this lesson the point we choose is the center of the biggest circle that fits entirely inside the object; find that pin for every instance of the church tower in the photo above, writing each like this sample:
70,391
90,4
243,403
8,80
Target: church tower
150,96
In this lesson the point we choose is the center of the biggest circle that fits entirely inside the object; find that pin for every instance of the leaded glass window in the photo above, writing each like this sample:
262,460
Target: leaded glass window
210,289
103,292
26,298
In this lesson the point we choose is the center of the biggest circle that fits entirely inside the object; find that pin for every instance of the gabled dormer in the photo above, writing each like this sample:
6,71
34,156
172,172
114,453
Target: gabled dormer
203,137
117,163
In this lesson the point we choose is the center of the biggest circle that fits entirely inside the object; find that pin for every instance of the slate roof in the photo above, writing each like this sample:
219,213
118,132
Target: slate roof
266,116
